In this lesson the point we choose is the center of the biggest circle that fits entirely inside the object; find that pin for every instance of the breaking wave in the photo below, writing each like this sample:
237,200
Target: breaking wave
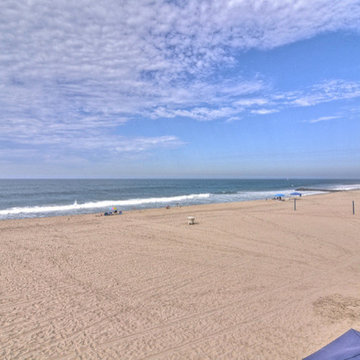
100,204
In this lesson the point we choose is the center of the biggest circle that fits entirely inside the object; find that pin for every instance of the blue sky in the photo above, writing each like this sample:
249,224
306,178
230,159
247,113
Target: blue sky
246,88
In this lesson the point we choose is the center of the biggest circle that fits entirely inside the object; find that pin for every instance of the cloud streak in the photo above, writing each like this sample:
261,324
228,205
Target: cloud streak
323,118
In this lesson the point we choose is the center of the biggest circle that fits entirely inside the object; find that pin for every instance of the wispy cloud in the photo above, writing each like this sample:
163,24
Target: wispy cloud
322,118
251,101
325,92
264,111
144,144
218,106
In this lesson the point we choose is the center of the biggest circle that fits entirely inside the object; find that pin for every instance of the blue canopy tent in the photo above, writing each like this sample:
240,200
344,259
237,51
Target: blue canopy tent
278,196
345,347
295,193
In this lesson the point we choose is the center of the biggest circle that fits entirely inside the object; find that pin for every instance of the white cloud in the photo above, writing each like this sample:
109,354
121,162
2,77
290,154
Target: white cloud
322,118
199,113
327,91
70,68
144,144
264,111
233,118
270,102
251,101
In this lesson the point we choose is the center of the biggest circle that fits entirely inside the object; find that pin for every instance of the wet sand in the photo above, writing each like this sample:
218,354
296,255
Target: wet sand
250,280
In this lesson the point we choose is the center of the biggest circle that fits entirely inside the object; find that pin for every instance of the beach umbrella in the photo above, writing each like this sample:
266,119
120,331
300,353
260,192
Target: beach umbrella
347,346
295,193
279,195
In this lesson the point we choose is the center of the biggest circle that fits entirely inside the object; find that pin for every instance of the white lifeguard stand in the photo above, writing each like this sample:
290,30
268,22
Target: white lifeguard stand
191,220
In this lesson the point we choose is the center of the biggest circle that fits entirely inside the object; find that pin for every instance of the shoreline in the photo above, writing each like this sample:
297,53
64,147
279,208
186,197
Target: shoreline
288,198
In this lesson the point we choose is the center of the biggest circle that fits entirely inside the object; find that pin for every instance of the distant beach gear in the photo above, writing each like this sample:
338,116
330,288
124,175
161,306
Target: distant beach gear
191,220
113,211
347,346
295,193
278,197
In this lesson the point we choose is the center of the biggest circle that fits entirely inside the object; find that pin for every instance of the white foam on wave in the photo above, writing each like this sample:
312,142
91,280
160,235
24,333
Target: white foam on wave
345,187
255,195
100,204
259,195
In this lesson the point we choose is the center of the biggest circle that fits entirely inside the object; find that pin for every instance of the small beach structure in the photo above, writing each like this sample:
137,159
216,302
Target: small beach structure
191,220
345,347
295,193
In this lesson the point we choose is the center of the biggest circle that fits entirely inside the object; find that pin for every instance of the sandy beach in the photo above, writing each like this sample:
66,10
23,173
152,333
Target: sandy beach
250,280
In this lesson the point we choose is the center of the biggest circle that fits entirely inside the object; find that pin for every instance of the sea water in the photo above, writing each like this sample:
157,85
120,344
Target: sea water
39,198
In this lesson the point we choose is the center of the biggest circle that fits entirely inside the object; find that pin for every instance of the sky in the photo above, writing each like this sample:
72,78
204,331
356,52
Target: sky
160,88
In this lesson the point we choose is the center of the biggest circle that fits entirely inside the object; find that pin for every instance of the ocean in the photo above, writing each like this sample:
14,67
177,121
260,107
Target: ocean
43,198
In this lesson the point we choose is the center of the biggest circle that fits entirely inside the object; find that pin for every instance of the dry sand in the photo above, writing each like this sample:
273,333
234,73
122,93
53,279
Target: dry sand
252,280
